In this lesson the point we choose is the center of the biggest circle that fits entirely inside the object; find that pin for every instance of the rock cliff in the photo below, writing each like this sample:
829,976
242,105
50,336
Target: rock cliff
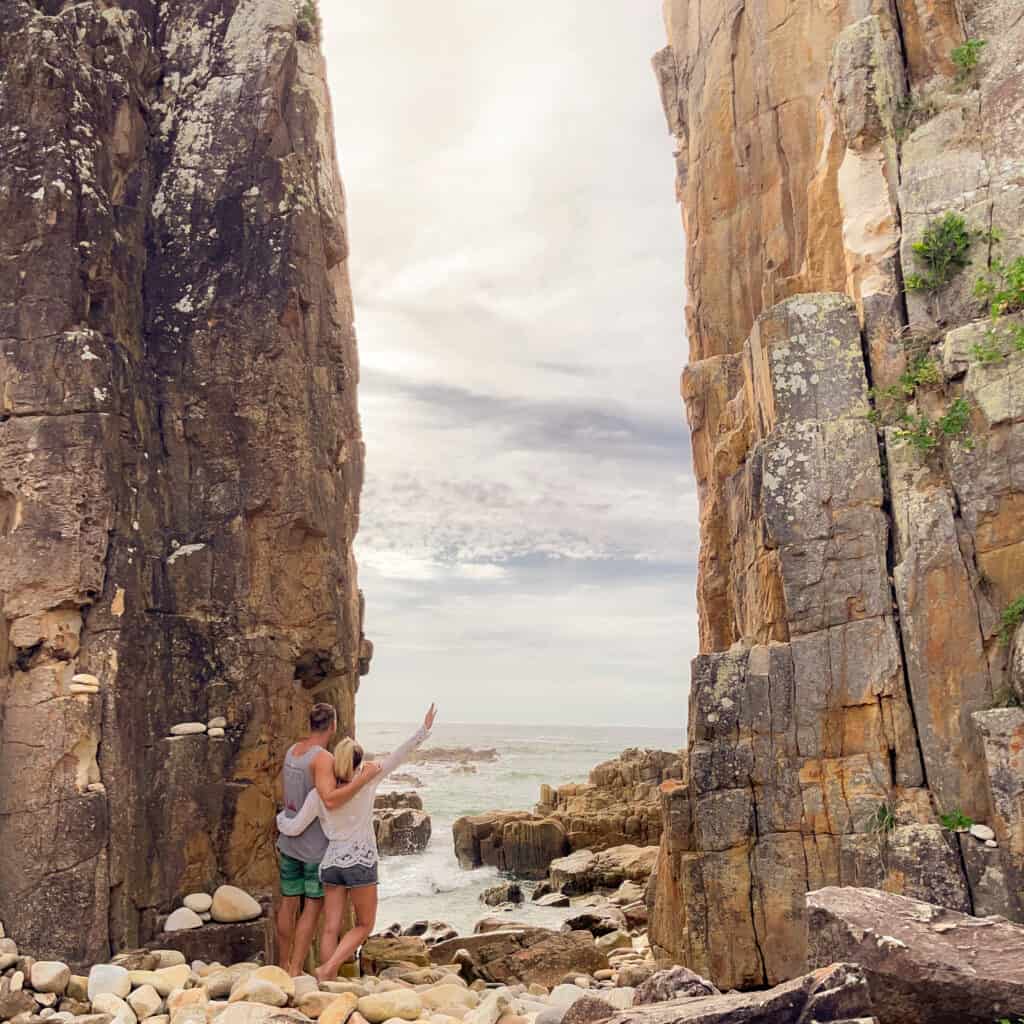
848,173
180,452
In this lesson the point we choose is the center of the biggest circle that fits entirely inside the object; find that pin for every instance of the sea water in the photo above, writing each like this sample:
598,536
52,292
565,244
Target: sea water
431,885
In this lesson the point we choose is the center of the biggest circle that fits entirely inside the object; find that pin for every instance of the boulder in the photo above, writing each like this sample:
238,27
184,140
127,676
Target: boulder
588,1010
527,955
50,976
231,904
599,920
838,993
505,892
340,1010
258,990
518,842
223,943
182,920
401,832
922,962
108,978
675,983
398,799
380,952
381,1006
145,1001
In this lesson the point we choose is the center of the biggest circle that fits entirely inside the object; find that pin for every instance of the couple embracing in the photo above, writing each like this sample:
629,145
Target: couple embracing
327,848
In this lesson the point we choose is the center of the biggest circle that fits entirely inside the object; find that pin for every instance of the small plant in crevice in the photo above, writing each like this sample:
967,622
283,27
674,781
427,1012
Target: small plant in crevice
890,404
942,252
967,57
1007,697
911,112
883,821
1012,617
308,22
956,821
925,435
1003,289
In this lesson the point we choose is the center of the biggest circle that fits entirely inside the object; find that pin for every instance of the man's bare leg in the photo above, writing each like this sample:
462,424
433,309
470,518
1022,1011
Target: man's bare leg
287,911
304,932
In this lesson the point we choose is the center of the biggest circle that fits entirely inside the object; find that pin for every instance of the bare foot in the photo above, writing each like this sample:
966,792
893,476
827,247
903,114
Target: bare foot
325,973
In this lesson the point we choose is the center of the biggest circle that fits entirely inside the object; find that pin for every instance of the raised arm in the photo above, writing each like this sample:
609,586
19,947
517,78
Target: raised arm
399,754
331,793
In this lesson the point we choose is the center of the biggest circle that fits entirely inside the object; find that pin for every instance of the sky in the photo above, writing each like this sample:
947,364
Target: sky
528,536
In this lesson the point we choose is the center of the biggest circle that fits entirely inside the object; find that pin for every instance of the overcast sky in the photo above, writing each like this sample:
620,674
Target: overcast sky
528,536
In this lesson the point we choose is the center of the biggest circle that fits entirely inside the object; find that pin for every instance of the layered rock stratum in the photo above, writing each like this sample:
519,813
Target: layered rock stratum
858,444
180,451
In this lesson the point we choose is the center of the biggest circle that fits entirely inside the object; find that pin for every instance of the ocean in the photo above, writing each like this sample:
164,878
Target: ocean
431,885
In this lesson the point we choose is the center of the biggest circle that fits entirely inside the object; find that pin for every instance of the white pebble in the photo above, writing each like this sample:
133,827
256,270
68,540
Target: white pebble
188,729
982,832
220,722
86,679
215,733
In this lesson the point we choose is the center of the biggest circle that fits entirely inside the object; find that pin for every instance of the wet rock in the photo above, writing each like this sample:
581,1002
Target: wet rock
922,961
506,892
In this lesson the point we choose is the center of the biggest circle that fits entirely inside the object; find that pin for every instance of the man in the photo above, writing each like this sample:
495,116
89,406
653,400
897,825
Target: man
308,764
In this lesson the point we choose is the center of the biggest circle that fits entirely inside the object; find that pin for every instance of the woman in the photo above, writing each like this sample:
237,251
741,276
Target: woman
349,867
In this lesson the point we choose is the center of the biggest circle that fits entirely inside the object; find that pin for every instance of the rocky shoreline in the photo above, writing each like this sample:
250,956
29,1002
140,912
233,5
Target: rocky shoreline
871,958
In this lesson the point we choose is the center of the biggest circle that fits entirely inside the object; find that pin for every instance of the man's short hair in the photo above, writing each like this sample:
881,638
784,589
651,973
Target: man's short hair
322,717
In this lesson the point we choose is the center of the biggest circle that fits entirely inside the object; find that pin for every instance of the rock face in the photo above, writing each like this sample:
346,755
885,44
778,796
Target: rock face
922,962
401,831
859,455
180,453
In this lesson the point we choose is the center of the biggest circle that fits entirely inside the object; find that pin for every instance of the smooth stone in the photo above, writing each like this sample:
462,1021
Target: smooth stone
276,976
220,983
991,844
182,997
200,902
170,978
169,957
620,998
45,999
443,996
145,1002
340,1010
50,976
85,679
82,688
160,1018
312,1004
182,920
606,975
109,979
217,722
17,981
255,990
78,988
188,729
565,995
613,940
215,733
535,988
356,988
76,1007
382,1006
232,904
215,1009
303,985
494,1006
8,954
107,1002
982,832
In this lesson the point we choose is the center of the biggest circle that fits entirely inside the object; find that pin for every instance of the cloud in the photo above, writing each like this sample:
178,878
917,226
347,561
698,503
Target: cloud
528,521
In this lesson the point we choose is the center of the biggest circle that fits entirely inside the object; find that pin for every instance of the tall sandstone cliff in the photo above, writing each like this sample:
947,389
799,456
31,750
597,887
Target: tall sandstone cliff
180,452
852,685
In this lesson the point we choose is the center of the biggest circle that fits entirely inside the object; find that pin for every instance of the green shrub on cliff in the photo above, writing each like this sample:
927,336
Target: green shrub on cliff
956,821
1013,616
942,252
966,57
308,22
1003,289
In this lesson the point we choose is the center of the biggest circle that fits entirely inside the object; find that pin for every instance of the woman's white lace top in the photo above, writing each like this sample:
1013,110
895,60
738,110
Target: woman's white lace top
350,826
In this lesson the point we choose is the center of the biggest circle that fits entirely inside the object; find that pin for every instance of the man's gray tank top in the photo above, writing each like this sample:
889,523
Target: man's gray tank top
297,779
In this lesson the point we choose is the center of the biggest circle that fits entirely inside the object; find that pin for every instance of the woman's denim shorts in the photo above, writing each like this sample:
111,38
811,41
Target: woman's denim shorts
354,877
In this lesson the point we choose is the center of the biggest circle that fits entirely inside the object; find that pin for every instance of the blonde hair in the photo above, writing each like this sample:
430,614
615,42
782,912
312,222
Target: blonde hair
348,756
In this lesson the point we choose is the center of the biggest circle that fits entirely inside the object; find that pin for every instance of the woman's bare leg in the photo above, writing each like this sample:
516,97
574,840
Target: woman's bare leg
335,906
364,902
